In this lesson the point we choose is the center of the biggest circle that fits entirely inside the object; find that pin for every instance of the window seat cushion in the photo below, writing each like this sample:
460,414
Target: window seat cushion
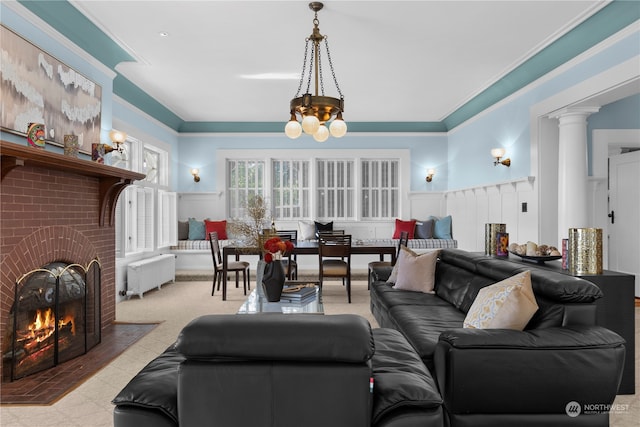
203,245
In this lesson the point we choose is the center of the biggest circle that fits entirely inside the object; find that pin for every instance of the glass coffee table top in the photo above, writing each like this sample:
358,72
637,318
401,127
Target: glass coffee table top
257,303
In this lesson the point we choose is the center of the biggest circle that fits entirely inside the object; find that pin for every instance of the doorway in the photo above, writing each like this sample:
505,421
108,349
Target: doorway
624,213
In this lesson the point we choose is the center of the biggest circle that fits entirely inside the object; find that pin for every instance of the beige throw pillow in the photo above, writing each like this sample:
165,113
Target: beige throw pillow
416,272
508,304
394,272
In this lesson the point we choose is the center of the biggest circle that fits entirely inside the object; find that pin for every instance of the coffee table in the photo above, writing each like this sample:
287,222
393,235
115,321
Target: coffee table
257,303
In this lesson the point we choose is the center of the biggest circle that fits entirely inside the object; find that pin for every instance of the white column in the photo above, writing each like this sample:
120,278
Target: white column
572,169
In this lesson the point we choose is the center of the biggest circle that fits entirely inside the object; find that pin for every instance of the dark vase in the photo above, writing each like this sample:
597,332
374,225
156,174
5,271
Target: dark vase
273,280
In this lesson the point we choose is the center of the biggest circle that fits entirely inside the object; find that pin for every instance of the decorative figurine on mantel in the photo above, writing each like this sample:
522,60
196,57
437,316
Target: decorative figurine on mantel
99,150
36,134
71,145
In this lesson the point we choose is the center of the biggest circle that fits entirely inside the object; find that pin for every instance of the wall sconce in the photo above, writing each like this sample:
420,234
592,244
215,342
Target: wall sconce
498,153
117,138
430,173
195,172
100,150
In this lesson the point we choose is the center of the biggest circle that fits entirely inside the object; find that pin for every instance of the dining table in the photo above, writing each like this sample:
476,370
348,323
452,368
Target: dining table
305,247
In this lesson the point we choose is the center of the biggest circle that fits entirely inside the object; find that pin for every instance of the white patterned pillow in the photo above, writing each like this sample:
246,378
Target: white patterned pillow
306,230
508,304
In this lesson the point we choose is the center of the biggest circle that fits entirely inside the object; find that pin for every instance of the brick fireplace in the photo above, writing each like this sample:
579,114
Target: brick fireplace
56,208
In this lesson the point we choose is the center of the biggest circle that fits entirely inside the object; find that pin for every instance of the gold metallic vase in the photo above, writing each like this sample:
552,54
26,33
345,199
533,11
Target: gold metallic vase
490,232
585,250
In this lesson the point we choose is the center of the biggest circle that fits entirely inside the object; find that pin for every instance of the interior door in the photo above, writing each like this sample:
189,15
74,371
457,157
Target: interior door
624,214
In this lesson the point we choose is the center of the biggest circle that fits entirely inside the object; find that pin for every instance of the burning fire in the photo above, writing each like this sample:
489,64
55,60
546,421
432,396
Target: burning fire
44,325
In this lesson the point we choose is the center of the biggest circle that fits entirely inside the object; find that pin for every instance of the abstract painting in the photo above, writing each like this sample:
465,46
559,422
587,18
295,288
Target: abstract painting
37,88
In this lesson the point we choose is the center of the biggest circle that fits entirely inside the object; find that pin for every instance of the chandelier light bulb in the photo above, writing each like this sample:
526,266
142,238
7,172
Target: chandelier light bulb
322,134
310,125
293,129
338,128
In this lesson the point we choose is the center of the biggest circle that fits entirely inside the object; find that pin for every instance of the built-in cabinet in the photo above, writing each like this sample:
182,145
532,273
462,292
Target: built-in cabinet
615,311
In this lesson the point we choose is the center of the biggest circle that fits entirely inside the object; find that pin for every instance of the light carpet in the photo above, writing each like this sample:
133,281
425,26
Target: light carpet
174,306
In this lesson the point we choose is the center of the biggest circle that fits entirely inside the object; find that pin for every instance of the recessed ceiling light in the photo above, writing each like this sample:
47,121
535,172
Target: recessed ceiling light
163,34
271,76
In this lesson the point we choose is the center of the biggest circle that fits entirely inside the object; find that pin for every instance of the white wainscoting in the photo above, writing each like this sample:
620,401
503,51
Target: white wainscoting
201,206
472,208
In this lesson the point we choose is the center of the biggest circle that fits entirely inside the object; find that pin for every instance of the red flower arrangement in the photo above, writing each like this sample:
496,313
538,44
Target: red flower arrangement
276,248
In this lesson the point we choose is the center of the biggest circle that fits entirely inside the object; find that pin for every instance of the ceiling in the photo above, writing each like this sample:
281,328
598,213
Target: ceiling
395,61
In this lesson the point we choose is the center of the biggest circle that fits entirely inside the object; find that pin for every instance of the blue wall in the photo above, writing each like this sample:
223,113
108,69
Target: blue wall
427,151
149,131
461,158
470,162
623,114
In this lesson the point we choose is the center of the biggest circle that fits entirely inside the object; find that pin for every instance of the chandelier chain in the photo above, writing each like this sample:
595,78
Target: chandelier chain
333,73
313,52
304,67
320,70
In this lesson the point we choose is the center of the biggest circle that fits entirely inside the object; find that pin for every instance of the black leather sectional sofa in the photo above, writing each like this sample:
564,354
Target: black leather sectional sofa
282,370
421,368
500,377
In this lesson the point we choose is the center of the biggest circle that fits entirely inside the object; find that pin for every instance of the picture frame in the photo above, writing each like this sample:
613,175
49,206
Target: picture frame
502,244
38,88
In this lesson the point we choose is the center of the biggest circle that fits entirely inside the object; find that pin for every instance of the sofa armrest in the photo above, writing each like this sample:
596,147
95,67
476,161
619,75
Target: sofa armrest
150,398
532,371
381,274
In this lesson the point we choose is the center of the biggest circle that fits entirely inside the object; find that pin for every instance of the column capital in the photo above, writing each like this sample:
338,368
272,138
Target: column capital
574,111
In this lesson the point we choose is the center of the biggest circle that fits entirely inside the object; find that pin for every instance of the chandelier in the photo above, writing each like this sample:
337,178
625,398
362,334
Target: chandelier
316,110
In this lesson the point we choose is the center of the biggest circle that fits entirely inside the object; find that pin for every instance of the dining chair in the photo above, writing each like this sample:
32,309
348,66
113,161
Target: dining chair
232,266
404,240
329,233
291,262
334,256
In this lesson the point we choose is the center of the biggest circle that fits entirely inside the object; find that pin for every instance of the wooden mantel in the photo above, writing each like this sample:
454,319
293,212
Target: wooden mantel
112,180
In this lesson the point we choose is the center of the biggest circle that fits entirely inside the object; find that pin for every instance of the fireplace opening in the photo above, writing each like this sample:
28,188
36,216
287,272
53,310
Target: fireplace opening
54,318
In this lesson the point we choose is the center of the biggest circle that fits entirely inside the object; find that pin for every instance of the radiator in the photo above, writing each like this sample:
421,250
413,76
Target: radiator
150,273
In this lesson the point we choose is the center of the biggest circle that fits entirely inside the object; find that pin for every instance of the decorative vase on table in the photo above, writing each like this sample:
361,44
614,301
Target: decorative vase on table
273,280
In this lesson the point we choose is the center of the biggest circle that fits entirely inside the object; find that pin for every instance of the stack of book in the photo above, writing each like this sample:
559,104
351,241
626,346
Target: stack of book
299,293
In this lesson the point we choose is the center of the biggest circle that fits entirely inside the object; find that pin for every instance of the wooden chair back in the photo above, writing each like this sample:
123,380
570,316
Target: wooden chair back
215,249
404,241
334,246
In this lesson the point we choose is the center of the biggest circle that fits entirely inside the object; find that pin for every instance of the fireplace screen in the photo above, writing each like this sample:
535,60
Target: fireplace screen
55,317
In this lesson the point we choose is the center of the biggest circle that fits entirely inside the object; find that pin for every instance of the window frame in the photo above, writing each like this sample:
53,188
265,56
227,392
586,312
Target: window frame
312,155
146,211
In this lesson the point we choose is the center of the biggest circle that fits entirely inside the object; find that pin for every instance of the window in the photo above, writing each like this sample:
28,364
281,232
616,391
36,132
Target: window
380,188
167,219
335,189
245,178
138,214
151,165
122,159
304,184
146,213
290,189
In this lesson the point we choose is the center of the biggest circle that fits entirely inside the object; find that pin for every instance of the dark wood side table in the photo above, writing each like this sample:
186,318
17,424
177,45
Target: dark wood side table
615,311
